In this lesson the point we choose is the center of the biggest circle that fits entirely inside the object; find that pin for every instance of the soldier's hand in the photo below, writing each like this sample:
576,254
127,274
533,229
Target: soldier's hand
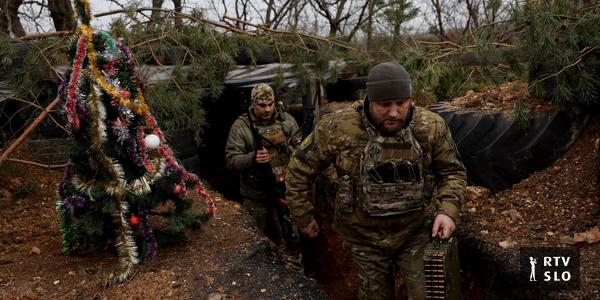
262,156
311,230
443,226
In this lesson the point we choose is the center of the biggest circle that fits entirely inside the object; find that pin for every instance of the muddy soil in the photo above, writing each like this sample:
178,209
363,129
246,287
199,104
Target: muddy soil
226,259
557,206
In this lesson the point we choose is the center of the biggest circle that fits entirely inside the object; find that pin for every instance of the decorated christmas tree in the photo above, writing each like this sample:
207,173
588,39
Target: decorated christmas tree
121,168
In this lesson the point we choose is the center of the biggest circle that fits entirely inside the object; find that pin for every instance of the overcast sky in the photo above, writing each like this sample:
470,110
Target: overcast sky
209,7
97,6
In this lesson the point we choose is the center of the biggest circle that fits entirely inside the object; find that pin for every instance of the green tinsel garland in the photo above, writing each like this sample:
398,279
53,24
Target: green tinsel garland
72,237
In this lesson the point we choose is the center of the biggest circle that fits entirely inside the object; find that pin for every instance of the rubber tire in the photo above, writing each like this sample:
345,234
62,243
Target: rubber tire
498,153
182,143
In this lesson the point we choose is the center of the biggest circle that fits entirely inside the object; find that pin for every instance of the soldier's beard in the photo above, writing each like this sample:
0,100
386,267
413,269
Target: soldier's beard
265,116
262,115
389,126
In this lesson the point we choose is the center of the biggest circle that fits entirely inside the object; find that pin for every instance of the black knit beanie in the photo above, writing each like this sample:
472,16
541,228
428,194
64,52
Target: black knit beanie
388,81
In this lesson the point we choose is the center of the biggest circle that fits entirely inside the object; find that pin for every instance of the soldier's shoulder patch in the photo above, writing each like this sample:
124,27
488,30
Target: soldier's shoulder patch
243,118
358,105
306,146
307,143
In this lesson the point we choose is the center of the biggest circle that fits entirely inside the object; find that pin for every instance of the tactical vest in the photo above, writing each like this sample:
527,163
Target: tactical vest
277,145
391,177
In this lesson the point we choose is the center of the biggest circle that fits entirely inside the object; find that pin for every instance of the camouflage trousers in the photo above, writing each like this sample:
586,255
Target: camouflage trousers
265,216
376,267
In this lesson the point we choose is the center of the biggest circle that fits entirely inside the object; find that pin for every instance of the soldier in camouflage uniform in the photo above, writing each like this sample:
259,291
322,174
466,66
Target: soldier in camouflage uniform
246,155
385,152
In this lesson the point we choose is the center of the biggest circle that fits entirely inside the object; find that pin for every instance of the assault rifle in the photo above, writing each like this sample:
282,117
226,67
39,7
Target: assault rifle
276,184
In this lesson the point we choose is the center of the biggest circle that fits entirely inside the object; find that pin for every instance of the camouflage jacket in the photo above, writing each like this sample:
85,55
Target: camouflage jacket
339,139
240,152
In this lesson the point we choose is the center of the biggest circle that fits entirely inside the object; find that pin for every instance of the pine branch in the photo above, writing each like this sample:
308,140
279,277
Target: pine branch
314,37
584,52
521,115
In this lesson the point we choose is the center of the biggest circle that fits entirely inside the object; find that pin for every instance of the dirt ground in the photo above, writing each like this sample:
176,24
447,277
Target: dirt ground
229,259
226,259
501,98
557,206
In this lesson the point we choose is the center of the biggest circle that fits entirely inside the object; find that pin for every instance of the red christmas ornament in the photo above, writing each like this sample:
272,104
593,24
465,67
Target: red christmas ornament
134,221
178,188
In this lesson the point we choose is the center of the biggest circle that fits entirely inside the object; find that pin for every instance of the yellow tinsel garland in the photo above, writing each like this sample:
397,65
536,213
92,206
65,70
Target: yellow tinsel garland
140,108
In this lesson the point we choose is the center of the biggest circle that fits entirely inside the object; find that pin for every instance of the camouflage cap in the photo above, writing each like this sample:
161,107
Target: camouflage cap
262,93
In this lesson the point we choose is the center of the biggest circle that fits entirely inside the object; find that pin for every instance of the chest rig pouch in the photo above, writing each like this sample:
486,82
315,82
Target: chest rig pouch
274,139
391,174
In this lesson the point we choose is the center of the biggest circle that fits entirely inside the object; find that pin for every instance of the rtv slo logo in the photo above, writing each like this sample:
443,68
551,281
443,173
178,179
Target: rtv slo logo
550,268
557,262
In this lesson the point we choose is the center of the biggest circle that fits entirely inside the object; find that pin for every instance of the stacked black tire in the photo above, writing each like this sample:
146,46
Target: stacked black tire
185,148
498,153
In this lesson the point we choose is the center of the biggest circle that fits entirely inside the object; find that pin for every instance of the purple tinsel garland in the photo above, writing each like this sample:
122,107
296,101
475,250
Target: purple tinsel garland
63,97
82,111
73,203
125,51
134,153
66,180
129,57
152,244
172,169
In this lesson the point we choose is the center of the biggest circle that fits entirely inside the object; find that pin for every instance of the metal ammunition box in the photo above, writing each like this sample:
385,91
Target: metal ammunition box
442,270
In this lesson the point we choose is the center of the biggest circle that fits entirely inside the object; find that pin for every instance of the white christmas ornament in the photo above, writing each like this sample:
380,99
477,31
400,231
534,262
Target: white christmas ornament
151,141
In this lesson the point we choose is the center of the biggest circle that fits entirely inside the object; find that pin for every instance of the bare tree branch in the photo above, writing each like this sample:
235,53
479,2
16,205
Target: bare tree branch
28,131
40,36
37,164
62,14
40,108
188,16
361,20
314,37
9,18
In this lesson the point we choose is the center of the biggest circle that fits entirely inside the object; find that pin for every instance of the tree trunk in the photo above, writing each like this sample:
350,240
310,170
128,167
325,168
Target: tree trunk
473,9
437,6
337,24
241,12
370,23
155,13
62,13
178,8
9,18
270,11
396,35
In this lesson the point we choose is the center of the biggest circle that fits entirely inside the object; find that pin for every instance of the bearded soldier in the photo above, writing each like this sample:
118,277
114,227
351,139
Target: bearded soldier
385,151
258,147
